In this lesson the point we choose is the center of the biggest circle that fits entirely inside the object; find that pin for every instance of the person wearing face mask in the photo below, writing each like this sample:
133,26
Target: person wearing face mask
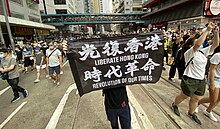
39,63
54,62
8,65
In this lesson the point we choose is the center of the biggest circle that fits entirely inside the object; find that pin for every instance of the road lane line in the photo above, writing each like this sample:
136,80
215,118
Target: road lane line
141,114
57,113
134,122
65,63
13,113
3,91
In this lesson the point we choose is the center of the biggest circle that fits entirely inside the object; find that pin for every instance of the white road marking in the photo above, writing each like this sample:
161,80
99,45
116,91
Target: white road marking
65,63
3,91
134,122
56,115
13,113
141,114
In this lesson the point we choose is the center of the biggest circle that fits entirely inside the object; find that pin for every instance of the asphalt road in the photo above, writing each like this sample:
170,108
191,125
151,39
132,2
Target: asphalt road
49,106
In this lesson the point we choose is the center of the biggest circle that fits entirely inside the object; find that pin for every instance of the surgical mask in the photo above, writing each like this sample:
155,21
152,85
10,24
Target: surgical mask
51,47
1,56
36,51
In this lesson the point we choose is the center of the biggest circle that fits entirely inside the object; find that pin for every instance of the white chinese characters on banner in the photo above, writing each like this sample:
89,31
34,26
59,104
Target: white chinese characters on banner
153,42
131,68
89,50
94,74
116,71
112,49
133,45
149,66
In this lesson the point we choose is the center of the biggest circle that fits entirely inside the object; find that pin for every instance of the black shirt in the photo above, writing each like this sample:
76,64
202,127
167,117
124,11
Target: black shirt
116,98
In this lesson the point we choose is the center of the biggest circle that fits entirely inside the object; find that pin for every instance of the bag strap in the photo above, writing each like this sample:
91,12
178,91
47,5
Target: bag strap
192,58
52,53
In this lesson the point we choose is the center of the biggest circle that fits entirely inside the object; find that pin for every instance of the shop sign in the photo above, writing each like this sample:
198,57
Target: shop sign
23,30
212,8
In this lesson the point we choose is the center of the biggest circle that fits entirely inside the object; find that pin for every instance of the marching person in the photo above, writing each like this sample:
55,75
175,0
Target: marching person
116,104
39,63
54,62
214,85
193,82
8,65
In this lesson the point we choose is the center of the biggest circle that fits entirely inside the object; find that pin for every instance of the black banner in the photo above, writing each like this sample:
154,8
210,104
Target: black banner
109,63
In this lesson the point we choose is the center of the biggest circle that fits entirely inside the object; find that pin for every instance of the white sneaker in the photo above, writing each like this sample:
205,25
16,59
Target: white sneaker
210,115
197,109
47,76
54,81
37,80
58,83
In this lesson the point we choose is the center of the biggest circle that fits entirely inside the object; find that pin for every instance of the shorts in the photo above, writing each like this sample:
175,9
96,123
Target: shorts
26,61
192,86
42,67
216,82
55,68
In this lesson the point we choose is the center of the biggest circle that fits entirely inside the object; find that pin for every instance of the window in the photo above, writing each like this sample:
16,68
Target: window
32,5
61,11
59,2
17,15
17,1
34,19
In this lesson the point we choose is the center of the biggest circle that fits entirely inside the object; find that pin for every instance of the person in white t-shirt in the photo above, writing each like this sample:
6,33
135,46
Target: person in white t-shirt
214,86
193,82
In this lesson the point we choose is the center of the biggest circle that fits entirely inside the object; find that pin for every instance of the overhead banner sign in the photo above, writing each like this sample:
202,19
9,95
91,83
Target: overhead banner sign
116,62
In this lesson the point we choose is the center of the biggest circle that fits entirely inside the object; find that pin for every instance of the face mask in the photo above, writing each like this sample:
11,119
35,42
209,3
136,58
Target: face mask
37,51
51,47
1,56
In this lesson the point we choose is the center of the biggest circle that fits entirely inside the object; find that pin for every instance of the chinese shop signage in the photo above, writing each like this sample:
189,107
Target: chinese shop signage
117,62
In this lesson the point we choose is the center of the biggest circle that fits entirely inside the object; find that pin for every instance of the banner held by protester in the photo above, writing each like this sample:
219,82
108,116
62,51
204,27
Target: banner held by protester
110,63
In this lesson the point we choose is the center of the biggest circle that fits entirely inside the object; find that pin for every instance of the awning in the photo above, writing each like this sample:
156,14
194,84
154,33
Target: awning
17,21
178,12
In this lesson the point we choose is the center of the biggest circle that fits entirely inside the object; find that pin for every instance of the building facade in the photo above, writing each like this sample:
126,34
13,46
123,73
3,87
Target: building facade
57,7
127,6
24,19
184,14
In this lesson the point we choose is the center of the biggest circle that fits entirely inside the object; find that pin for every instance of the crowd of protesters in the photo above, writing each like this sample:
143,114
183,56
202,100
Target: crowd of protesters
190,50
195,54
45,56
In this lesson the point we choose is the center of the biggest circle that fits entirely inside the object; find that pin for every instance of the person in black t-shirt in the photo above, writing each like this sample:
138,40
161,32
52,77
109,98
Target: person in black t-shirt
116,106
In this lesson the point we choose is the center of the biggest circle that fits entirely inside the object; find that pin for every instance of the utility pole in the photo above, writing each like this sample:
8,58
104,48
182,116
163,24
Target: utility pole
8,26
45,7
2,37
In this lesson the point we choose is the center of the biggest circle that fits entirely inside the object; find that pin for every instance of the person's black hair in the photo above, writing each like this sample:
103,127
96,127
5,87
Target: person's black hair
4,50
189,43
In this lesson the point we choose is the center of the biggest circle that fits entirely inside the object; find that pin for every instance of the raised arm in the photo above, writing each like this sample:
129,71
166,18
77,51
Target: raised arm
215,38
198,42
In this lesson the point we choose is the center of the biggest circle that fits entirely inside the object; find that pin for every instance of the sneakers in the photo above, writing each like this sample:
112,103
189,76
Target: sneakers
170,79
15,99
197,109
195,118
210,115
25,93
58,83
37,80
47,76
175,109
